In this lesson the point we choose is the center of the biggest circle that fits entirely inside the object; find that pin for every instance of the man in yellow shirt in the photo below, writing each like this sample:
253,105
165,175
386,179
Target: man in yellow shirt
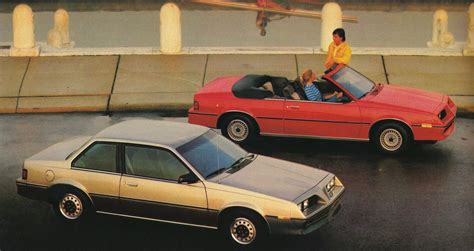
339,52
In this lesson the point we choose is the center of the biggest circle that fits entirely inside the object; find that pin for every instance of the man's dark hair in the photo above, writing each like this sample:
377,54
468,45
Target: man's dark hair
341,33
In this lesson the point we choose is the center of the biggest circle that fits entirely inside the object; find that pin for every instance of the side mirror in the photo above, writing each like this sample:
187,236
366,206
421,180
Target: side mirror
345,99
189,178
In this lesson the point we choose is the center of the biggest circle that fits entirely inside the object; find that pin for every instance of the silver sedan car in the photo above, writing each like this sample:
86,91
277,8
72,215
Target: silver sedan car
183,174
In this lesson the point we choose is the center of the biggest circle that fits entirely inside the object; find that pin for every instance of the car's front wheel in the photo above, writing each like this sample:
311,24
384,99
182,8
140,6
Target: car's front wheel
391,138
243,228
239,129
71,206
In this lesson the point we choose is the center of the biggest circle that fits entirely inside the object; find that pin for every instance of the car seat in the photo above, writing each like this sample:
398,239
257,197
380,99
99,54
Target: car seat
145,164
290,93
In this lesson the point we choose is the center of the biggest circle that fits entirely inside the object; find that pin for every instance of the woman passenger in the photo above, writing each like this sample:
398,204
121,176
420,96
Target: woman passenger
312,92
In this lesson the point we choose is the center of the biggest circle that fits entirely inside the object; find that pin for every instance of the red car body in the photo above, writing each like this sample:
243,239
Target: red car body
427,116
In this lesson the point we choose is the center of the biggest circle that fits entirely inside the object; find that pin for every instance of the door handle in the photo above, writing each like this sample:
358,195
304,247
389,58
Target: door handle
131,184
293,106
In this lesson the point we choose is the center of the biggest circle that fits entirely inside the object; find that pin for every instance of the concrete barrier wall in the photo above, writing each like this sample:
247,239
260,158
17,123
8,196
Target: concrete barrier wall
157,82
12,72
161,82
61,84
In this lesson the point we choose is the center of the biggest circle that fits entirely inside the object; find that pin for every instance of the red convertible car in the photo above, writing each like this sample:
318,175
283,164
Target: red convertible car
390,116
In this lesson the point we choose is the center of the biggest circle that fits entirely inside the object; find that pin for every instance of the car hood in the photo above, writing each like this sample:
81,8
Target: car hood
409,98
274,177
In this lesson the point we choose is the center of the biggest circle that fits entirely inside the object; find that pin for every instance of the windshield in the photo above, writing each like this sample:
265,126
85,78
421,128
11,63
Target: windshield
354,82
210,153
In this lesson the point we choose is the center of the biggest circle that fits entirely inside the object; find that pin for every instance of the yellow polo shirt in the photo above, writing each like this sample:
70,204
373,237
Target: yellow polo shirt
341,54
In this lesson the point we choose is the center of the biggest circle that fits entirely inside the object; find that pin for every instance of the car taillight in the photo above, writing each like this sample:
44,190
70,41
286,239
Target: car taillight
24,174
196,105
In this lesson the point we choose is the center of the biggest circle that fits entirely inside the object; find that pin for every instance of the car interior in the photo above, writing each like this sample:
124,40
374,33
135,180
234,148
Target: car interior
271,87
153,163
289,92
94,158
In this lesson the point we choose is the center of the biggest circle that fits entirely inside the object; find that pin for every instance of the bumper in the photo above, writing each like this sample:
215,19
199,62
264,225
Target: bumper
306,226
434,133
34,192
201,118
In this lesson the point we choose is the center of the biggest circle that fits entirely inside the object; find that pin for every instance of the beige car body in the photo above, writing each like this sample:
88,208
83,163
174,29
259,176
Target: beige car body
201,204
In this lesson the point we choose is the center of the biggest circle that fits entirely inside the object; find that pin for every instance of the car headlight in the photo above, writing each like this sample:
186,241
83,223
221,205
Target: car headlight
304,205
442,114
308,203
330,184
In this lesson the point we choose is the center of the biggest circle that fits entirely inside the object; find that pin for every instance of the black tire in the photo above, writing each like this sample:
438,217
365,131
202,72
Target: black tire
242,228
71,205
391,138
240,129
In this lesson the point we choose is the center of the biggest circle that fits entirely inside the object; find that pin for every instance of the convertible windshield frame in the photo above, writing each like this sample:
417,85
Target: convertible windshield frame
211,153
357,91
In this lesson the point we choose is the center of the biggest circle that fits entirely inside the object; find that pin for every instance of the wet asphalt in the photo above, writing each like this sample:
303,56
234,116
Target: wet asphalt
423,199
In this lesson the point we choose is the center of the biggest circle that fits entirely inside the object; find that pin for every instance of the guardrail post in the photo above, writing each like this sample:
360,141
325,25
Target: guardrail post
441,37
331,19
469,50
58,37
170,28
24,44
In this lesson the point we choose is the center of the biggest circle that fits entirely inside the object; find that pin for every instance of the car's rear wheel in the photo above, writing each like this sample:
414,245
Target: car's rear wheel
71,205
239,129
244,229
391,138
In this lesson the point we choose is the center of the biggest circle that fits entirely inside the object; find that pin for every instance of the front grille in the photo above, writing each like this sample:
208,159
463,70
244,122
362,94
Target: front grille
442,114
323,213
318,217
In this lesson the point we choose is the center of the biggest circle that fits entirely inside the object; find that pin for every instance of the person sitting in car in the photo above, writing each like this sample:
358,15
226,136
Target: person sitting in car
312,92
298,87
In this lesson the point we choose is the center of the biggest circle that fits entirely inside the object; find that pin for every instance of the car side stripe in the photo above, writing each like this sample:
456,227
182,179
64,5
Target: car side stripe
148,201
439,127
151,219
204,114
314,120
269,118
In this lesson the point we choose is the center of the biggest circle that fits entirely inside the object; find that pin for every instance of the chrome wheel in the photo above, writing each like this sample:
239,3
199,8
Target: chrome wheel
238,130
243,231
71,206
391,139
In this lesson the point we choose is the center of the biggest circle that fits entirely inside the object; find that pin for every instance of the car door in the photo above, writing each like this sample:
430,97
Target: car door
267,112
150,187
96,171
322,119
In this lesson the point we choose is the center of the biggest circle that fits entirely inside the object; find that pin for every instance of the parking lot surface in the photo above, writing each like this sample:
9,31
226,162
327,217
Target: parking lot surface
422,199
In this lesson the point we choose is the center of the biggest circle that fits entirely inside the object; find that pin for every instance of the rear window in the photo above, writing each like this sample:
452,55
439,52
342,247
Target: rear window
99,156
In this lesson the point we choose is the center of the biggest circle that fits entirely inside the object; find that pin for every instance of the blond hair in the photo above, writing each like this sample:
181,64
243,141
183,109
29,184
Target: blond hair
307,74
